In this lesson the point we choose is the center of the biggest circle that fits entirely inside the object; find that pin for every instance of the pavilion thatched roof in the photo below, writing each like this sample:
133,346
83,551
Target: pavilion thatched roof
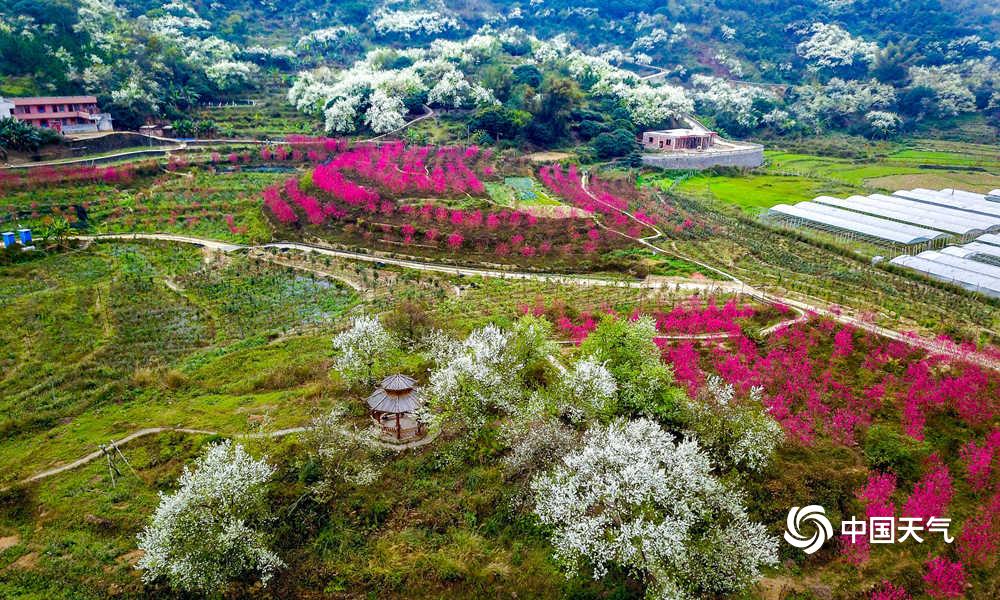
397,394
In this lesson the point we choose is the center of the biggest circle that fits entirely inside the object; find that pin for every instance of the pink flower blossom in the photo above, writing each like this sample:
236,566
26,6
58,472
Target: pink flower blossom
944,579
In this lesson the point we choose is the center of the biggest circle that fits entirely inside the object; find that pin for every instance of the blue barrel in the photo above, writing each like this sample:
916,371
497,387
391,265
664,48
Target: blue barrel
8,239
25,236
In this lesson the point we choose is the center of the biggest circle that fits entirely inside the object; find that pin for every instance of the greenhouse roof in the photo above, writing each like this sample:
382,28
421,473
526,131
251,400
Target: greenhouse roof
875,227
955,199
969,280
917,213
972,249
963,263
989,238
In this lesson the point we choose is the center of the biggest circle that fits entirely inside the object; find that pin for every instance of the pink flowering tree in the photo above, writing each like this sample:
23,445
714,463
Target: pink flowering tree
944,579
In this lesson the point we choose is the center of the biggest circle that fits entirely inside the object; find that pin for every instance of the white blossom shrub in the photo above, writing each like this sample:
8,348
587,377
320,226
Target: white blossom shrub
820,105
588,387
650,105
362,349
209,532
951,95
412,22
739,435
883,122
454,90
484,374
470,380
342,452
829,46
231,74
635,497
734,101
386,113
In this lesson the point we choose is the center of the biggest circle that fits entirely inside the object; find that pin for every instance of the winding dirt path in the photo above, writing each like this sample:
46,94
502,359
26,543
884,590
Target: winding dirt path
141,433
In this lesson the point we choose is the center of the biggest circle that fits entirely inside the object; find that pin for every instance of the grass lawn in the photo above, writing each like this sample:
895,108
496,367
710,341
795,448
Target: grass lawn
520,192
755,193
794,177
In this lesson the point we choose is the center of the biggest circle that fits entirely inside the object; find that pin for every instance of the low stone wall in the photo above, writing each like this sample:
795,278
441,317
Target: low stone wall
749,157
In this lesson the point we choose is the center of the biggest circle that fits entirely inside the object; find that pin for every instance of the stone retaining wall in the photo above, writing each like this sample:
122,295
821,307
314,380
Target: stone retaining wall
749,157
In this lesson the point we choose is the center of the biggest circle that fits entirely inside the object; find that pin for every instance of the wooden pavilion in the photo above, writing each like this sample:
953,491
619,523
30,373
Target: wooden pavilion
393,404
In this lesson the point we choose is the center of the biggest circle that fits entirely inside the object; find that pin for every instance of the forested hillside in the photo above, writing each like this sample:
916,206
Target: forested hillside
871,68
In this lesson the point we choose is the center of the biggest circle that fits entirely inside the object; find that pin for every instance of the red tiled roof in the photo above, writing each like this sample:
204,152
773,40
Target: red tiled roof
54,100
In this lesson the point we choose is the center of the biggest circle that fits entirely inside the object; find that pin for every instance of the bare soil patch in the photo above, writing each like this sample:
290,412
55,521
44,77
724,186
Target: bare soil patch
549,156
9,542
27,562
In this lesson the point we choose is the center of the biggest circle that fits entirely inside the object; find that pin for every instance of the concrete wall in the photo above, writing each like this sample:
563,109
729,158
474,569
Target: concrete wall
745,157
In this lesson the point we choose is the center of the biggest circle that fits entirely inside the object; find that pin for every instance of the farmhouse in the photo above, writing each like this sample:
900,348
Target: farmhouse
678,139
67,114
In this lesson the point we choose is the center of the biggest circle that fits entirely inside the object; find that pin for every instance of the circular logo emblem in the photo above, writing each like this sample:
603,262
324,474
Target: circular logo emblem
814,516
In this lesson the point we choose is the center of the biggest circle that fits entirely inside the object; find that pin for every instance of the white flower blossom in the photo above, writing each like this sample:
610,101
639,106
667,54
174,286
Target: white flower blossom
386,112
203,535
634,497
829,45
952,95
589,386
361,348
231,74
412,22
884,122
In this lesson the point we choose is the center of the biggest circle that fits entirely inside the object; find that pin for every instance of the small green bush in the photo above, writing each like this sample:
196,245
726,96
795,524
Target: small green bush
888,449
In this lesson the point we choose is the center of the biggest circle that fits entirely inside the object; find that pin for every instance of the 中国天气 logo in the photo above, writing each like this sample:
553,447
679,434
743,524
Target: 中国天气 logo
814,516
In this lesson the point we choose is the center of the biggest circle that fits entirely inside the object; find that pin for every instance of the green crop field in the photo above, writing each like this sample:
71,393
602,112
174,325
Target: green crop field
132,325
787,178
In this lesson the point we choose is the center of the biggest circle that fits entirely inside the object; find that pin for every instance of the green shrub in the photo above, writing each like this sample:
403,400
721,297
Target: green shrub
888,449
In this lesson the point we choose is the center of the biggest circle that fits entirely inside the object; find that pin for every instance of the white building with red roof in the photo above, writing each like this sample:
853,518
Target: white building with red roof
66,114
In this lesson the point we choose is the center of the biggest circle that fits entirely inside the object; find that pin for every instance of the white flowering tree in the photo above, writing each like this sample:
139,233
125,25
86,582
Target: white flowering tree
822,105
830,46
484,375
210,531
635,497
342,452
651,105
386,113
587,389
883,123
740,435
409,23
731,103
364,93
231,74
362,349
626,349
951,94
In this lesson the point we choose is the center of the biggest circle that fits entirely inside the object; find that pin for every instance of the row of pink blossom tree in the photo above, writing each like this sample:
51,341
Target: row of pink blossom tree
46,176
